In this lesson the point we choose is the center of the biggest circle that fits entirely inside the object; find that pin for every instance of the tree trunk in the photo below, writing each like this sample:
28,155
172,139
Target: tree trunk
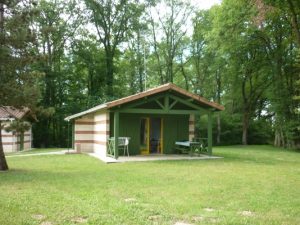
2,23
218,79
184,75
277,139
218,128
2,34
139,61
141,86
283,143
245,128
3,163
294,22
109,75
21,141
169,77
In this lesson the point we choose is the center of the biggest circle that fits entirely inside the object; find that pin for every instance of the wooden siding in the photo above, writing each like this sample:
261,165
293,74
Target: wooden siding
91,133
176,127
83,138
101,129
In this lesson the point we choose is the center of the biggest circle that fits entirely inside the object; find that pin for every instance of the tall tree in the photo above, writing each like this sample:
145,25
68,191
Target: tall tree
134,57
18,86
208,63
280,21
88,60
57,26
112,20
247,55
168,32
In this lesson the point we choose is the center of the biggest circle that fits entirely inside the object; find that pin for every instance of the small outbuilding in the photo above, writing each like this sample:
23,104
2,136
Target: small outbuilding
153,121
11,141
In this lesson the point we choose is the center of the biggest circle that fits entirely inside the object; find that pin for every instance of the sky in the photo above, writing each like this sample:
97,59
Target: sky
204,4
197,4
160,10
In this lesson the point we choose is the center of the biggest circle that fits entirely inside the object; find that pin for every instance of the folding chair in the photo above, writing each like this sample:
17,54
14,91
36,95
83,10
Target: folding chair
123,143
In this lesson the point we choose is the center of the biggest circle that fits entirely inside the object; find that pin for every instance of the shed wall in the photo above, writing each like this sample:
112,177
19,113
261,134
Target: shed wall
11,142
101,133
84,133
91,133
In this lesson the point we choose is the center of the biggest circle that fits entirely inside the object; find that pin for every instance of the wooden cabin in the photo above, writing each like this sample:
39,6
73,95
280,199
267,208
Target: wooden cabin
153,121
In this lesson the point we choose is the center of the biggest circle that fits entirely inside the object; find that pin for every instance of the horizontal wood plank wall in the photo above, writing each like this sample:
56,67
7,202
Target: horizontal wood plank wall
91,132
84,136
191,127
14,142
101,133
11,142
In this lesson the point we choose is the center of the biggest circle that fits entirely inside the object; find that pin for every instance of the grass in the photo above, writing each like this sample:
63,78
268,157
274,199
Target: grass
250,185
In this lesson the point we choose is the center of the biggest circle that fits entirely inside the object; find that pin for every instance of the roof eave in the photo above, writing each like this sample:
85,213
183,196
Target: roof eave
94,109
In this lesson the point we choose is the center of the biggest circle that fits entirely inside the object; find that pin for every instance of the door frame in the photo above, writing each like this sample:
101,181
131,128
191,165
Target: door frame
146,151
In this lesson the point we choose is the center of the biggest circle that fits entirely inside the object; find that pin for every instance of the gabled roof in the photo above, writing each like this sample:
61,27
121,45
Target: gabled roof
153,91
10,112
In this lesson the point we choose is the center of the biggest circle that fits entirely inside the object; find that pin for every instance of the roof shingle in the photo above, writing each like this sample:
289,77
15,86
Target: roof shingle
10,112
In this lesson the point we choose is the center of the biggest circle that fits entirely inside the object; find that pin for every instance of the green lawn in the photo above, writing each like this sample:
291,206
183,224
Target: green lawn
251,185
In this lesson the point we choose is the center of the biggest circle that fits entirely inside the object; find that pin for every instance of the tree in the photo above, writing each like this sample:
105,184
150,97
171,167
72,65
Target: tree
251,72
280,21
112,20
167,34
57,26
208,62
88,60
18,86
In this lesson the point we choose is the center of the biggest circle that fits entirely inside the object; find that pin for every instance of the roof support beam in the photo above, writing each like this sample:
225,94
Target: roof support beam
187,103
166,102
173,103
141,102
159,103
160,111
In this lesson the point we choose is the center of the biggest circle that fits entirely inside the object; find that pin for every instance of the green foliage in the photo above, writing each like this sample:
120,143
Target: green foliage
112,19
18,80
18,86
58,24
18,126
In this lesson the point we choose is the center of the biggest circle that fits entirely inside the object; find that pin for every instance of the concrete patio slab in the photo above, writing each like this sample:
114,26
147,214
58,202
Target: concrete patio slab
152,157
62,152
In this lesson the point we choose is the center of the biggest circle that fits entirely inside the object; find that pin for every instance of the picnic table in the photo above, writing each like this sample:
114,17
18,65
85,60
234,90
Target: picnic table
196,146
